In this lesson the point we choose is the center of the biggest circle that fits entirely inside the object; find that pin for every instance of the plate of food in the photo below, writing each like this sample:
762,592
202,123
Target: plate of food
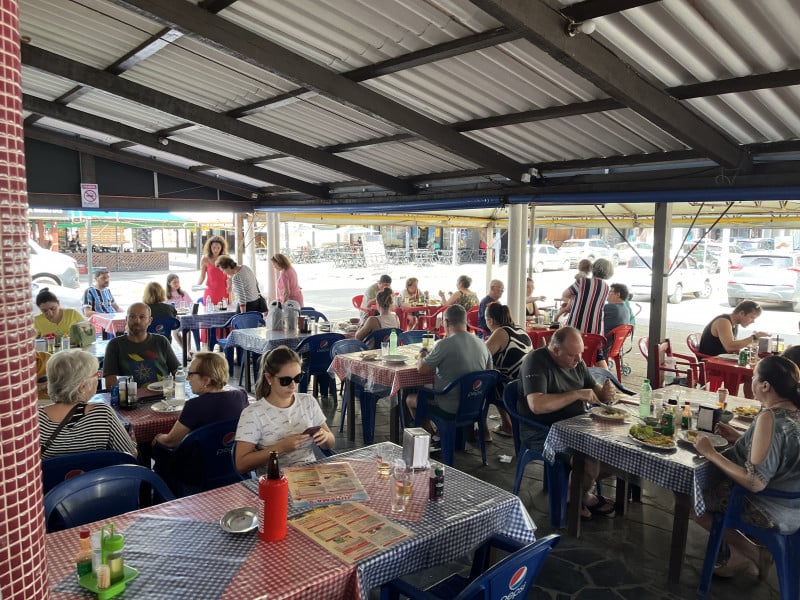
729,356
395,358
689,437
240,520
369,356
608,413
182,311
748,413
168,406
156,386
646,436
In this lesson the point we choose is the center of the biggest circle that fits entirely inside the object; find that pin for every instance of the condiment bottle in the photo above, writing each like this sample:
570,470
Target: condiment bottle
436,484
273,508
686,416
113,543
393,343
180,384
668,418
123,392
83,560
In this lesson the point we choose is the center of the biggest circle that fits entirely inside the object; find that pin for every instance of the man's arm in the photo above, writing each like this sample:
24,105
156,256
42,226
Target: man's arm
541,403
111,364
422,366
88,303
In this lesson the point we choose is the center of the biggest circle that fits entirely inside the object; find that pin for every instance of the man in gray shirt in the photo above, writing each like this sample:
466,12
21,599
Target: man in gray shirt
459,353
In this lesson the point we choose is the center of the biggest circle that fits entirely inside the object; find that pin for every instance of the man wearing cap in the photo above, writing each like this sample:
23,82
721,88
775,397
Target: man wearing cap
369,301
99,299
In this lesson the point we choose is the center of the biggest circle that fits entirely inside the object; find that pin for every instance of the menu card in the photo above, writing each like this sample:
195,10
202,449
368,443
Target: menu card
351,531
324,483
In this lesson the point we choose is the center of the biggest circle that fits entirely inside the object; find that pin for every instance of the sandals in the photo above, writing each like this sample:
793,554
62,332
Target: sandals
603,508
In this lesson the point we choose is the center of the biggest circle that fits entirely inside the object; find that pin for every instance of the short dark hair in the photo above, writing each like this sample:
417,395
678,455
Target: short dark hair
748,306
45,295
500,314
621,289
456,315
225,262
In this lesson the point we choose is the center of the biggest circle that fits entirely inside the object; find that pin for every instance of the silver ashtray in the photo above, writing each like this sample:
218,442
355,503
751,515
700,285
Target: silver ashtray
240,520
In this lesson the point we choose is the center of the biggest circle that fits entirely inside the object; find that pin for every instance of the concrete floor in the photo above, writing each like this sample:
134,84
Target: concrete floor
620,558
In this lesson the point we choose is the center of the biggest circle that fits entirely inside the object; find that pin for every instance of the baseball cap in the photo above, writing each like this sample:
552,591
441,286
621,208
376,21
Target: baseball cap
385,279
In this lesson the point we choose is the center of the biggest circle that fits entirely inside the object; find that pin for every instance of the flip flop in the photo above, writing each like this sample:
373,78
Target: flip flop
501,432
603,507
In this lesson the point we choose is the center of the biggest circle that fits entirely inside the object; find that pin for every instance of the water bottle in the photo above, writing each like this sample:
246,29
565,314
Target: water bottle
209,304
273,505
393,343
669,370
644,399
180,384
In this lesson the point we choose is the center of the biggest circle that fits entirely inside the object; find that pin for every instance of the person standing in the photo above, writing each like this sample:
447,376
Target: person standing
98,298
496,289
588,296
243,284
719,336
288,288
217,284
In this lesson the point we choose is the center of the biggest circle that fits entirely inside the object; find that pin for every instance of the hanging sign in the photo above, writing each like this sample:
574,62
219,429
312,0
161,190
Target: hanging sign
90,196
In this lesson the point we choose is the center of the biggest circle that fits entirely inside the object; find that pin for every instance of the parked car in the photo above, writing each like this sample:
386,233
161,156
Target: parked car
547,257
576,249
767,277
49,267
625,253
756,244
689,278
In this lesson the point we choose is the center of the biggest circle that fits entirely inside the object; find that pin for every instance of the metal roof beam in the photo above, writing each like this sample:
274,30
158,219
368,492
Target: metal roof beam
153,140
592,9
145,50
215,6
748,83
545,28
86,75
103,151
268,55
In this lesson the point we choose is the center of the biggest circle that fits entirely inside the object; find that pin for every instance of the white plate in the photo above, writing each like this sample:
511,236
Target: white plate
716,440
395,358
601,412
156,386
162,406
240,520
729,356
369,357
653,446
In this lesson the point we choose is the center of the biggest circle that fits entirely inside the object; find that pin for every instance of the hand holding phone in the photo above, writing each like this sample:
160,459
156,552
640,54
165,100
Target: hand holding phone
312,430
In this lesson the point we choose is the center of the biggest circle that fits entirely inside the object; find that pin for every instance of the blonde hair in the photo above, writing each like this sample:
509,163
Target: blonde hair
214,366
282,261
154,293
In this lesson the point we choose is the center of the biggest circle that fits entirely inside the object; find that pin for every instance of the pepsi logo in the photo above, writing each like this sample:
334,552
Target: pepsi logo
477,384
324,344
73,473
518,578
228,438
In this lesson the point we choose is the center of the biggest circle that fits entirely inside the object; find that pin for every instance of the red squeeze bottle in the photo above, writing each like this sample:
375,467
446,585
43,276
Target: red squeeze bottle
273,508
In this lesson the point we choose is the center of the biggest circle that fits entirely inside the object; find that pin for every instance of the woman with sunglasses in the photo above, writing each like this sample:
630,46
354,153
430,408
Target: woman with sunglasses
282,420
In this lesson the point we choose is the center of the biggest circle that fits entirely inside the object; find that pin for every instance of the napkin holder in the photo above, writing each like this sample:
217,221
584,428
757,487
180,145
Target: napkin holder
707,418
416,447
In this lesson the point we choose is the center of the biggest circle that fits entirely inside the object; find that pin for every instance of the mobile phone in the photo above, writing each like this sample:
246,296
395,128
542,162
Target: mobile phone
312,430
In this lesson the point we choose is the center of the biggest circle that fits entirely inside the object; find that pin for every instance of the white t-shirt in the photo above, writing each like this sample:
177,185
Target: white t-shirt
264,424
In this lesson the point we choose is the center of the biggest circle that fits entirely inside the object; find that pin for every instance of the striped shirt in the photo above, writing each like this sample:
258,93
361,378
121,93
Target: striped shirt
98,429
589,297
244,285
100,300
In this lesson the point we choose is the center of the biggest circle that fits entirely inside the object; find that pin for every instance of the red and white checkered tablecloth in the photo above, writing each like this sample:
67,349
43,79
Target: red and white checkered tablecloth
293,568
379,373
146,423
114,322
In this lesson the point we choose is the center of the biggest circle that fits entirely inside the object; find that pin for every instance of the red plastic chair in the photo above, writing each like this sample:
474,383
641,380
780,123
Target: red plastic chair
357,300
685,365
472,323
592,342
618,335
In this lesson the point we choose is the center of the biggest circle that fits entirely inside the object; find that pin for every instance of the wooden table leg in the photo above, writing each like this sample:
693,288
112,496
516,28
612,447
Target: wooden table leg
680,528
575,495
351,412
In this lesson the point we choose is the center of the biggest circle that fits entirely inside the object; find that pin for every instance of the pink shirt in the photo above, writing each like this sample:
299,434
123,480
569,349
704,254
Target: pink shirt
287,280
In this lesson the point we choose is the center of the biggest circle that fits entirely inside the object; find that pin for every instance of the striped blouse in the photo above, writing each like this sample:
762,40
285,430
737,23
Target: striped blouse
97,429
589,297
244,285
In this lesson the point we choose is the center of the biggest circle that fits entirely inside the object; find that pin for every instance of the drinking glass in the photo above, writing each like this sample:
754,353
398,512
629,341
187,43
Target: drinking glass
384,348
427,340
384,458
400,485
168,387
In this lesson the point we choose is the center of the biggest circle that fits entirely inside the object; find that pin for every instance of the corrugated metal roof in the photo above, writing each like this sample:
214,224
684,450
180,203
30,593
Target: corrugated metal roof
406,159
113,107
44,85
221,143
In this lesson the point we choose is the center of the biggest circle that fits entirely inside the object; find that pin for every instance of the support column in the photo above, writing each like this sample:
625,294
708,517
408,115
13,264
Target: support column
250,241
658,295
23,565
238,227
273,248
489,253
515,288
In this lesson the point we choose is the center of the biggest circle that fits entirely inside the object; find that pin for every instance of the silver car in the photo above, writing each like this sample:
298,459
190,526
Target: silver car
547,257
690,278
576,249
767,277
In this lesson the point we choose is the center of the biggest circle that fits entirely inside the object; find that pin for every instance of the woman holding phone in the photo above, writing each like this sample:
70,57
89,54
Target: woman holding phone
283,420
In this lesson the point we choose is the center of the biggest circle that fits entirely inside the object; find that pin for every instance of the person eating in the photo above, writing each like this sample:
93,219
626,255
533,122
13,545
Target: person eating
719,336
54,320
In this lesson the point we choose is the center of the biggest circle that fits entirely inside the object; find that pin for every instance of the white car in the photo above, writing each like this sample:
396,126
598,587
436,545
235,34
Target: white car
625,253
546,257
766,277
577,249
49,267
690,278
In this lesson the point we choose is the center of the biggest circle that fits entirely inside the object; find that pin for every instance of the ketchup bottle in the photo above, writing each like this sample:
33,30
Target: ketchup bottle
273,509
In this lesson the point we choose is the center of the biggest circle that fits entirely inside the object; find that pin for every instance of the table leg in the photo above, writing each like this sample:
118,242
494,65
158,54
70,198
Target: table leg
246,366
621,500
394,421
351,412
185,335
680,528
575,499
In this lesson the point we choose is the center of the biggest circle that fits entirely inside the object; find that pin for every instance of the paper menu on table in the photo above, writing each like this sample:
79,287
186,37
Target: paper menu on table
324,483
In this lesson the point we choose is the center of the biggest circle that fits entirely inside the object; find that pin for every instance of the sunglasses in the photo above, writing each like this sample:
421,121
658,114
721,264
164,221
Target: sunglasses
287,381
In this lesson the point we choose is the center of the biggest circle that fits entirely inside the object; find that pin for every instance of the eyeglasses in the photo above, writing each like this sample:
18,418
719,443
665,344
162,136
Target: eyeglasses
190,373
287,381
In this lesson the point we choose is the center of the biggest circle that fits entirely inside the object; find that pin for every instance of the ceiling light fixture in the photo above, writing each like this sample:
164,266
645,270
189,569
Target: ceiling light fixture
586,27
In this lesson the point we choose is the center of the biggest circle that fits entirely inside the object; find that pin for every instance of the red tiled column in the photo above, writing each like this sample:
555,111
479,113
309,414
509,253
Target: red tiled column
23,570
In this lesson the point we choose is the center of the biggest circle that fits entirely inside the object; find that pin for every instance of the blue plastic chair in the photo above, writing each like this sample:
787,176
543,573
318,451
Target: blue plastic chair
367,400
201,461
514,574
785,549
600,375
476,389
100,494
315,350
555,475
374,338
66,466
310,312
246,320
164,326
412,336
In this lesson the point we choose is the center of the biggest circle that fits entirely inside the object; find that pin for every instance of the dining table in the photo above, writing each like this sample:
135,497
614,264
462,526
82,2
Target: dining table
375,372
540,334
113,323
180,549
261,340
728,370
680,468
201,320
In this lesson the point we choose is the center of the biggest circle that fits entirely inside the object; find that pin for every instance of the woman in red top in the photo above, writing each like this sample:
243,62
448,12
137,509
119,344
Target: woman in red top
216,280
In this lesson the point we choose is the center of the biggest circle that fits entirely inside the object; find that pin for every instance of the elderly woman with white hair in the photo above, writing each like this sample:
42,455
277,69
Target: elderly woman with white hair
71,424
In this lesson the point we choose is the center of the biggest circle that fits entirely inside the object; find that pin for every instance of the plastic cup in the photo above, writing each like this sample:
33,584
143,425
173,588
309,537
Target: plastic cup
384,459
400,485
168,387
384,348
427,341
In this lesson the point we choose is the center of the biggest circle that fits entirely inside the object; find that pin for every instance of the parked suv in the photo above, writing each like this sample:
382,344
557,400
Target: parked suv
52,267
577,249
690,278
767,277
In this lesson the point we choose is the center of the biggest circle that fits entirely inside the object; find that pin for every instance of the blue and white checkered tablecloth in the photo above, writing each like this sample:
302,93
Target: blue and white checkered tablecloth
471,512
681,470
205,320
261,340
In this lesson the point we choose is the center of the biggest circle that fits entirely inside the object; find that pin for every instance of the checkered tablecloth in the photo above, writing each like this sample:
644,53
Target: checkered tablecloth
261,340
205,320
109,321
681,470
146,423
377,373
243,568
